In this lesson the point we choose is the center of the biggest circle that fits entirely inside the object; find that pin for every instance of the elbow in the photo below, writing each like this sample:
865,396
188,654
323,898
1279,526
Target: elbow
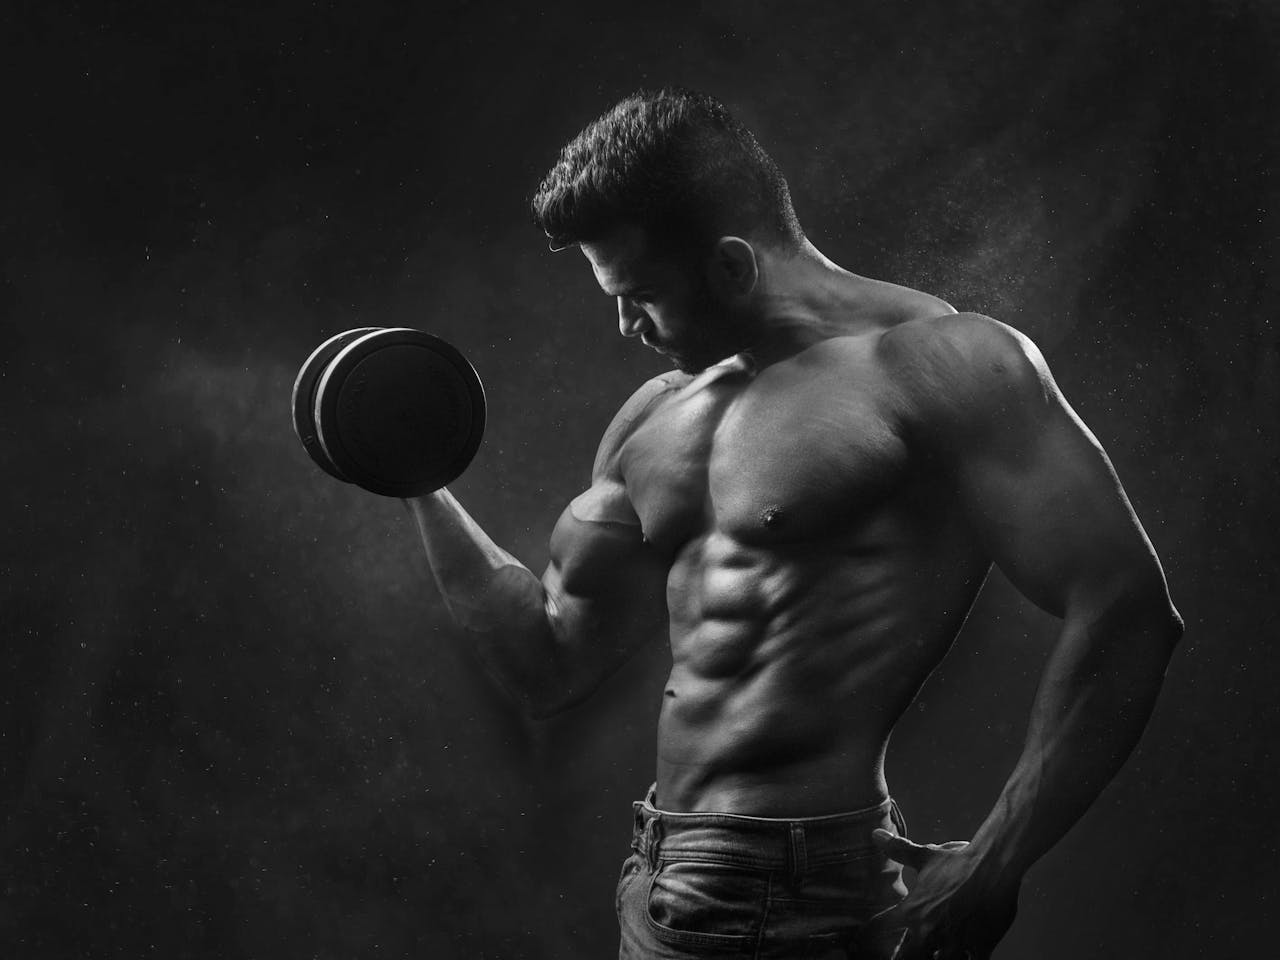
1163,622
539,707
1145,609
1163,628
1173,620
527,701
1172,624
1130,606
550,703
545,692
541,712
532,697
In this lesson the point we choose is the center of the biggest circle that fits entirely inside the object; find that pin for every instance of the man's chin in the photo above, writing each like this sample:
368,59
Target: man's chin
694,365
695,357
690,365
680,361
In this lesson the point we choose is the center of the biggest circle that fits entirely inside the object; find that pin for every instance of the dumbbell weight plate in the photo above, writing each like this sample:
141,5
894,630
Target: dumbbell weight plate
304,396
399,412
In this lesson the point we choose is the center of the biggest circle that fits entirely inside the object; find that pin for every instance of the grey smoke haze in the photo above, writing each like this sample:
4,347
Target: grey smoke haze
236,720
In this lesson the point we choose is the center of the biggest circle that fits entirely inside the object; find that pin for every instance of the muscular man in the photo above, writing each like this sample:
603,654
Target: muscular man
808,506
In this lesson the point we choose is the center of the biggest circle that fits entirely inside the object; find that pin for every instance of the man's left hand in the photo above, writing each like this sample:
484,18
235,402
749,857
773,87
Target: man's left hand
952,911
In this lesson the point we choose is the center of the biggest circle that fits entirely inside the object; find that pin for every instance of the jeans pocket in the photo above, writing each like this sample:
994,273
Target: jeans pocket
700,903
630,869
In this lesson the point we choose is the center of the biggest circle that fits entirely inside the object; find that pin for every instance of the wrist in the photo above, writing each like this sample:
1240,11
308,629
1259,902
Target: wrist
425,504
997,862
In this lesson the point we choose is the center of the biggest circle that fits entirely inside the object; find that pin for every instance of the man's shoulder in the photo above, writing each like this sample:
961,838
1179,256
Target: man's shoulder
960,355
951,338
644,400
634,411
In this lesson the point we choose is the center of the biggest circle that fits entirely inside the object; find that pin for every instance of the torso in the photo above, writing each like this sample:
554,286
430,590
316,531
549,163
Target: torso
817,575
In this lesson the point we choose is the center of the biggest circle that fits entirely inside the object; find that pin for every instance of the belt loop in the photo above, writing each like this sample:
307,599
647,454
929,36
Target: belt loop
652,838
637,827
899,821
799,854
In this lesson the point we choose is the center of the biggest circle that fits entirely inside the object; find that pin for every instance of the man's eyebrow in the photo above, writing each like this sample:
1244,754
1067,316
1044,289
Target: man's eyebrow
624,290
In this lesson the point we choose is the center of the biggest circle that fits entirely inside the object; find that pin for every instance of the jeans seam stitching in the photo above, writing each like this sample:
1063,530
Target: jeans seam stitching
764,914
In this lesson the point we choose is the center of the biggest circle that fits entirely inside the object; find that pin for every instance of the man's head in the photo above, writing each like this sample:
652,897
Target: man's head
670,197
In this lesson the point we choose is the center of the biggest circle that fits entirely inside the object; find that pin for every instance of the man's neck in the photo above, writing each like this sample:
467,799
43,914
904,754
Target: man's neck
802,298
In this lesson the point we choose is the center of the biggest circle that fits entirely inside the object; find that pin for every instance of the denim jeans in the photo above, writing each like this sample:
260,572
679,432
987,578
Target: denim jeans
729,886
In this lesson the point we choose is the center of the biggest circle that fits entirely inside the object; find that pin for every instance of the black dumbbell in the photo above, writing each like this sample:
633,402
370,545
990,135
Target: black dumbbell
396,411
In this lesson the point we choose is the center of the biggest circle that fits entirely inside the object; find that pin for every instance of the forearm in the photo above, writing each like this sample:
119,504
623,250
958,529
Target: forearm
1097,693
488,592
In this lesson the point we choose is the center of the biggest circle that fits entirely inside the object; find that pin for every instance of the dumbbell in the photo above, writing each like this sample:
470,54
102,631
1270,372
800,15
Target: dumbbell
396,411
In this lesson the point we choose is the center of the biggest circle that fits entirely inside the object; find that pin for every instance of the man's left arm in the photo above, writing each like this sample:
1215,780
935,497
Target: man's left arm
1045,503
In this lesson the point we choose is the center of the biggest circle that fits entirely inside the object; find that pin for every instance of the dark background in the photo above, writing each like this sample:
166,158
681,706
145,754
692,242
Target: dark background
235,722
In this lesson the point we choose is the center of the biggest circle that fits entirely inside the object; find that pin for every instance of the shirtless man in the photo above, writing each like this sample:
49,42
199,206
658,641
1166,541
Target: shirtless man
807,507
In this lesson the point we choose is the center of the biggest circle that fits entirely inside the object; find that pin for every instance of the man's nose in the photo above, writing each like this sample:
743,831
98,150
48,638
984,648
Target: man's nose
631,319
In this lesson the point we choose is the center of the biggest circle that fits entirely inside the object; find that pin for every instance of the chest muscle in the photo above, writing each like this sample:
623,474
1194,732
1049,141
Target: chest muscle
793,454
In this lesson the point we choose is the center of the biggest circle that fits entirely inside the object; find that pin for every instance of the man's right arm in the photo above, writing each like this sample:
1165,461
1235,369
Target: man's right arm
550,641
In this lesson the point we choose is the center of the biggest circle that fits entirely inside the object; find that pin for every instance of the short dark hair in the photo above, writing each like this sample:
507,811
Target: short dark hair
674,162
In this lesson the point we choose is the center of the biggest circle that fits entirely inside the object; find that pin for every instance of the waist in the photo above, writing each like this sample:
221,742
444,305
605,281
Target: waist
729,771
764,842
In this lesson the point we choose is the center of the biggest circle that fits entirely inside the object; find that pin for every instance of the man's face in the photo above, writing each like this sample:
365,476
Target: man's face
668,305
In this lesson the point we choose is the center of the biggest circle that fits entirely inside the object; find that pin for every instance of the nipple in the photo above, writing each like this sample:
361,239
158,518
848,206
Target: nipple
771,516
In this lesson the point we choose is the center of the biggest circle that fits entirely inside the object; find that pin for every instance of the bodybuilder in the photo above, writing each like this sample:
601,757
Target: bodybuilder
807,507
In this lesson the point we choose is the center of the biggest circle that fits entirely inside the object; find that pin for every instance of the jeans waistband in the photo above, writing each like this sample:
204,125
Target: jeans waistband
766,842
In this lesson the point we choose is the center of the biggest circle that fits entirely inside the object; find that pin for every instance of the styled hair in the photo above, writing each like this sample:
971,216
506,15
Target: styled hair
674,162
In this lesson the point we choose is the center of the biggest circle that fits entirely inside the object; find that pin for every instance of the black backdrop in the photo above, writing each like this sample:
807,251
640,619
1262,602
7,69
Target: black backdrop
235,722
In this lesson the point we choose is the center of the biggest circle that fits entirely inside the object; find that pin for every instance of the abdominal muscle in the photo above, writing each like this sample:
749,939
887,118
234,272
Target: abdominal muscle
790,667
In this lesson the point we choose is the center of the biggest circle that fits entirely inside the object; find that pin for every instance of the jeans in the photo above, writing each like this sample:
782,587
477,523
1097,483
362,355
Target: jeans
730,886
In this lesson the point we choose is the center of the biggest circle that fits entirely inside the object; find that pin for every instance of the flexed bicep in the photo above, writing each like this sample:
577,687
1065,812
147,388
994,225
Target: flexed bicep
605,585
605,589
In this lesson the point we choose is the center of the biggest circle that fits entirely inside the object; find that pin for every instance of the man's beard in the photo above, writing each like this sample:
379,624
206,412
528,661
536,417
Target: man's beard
711,334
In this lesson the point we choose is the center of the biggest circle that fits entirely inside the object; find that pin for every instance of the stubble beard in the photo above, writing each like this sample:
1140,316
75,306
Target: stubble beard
712,334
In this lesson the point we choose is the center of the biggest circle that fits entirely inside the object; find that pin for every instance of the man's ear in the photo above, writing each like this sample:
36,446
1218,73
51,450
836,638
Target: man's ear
733,270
